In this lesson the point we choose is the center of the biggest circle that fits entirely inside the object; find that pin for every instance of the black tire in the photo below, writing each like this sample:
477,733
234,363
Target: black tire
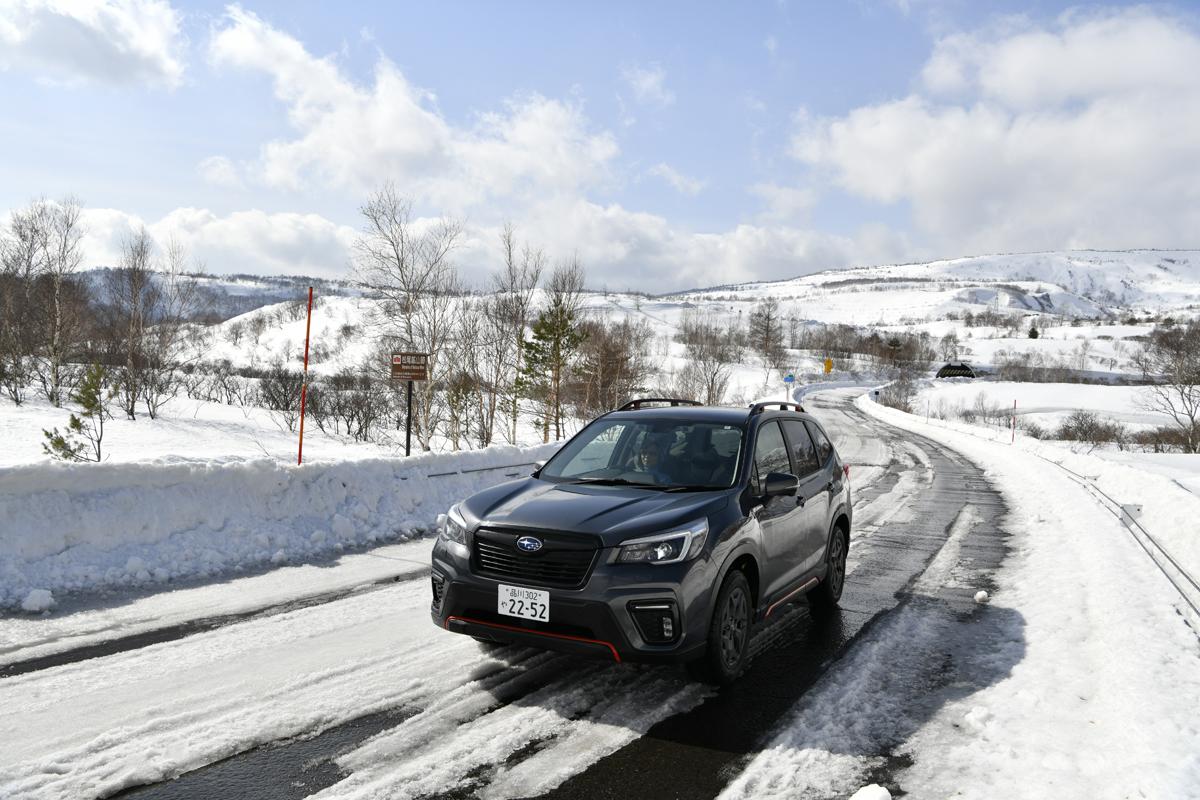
828,592
728,633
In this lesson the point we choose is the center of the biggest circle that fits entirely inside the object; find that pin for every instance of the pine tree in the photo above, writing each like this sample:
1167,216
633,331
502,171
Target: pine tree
557,336
85,432
548,355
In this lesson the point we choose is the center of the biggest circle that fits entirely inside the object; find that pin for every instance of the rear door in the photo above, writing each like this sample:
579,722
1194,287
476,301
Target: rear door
779,517
814,489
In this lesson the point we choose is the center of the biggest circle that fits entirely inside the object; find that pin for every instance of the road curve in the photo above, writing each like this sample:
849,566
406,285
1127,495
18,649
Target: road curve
361,697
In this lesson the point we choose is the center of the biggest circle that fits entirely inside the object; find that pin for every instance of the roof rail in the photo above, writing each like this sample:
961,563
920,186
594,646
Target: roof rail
758,408
644,402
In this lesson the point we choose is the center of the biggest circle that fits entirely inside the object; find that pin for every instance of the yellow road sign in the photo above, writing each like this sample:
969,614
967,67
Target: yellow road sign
828,365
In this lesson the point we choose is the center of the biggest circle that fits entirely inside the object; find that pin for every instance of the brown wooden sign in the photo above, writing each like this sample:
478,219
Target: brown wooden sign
410,366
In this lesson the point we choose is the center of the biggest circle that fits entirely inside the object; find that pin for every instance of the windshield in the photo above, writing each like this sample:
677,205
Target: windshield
656,453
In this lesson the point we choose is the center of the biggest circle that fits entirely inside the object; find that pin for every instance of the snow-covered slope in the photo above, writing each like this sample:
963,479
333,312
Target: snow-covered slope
1081,283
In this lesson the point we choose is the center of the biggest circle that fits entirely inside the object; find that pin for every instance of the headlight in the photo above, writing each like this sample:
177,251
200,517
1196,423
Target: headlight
665,548
454,531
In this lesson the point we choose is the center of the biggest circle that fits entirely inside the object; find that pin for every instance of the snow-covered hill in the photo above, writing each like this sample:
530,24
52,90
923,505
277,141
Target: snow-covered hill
1082,283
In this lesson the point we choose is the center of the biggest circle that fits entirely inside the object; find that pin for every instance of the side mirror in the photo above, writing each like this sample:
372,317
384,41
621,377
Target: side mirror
537,467
781,483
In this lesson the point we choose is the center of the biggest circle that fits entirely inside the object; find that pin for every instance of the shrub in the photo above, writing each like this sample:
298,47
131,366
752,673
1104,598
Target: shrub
1086,426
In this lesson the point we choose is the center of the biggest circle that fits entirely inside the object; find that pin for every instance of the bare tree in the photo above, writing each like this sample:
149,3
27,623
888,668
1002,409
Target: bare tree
710,350
948,346
1172,357
22,260
615,364
177,300
63,256
133,296
408,267
514,288
766,336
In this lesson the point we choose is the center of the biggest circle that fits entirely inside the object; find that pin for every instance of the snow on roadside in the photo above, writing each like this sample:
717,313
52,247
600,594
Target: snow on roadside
1102,703
76,527
1167,486
24,636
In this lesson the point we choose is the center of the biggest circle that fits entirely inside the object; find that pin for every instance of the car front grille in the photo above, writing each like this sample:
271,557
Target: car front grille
565,560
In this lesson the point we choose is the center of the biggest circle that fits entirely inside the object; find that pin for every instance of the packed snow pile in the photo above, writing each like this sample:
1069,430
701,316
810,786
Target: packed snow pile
69,527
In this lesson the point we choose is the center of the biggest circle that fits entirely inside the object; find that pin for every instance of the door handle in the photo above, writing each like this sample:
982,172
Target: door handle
800,500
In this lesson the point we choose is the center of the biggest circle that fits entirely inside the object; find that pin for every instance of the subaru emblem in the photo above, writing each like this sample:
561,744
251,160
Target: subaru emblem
529,544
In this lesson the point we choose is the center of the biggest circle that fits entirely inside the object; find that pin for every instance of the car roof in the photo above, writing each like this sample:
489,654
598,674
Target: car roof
727,415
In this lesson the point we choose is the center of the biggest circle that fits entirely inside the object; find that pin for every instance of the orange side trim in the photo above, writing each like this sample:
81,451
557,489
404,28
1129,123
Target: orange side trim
613,650
789,596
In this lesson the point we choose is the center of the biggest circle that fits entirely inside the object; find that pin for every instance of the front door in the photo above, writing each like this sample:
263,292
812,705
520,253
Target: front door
780,517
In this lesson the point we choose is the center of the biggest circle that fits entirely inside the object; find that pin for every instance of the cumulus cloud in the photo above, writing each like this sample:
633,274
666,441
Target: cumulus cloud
244,241
1083,134
121,42
678,181
784,203
219,171
649,85
351,136
534,160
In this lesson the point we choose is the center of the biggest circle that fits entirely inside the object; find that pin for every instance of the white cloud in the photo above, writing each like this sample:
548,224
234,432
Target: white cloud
772,45
619,248
629,249
120,42
784,203
649,85
1084,135
353,137
680,182
244,241
219,171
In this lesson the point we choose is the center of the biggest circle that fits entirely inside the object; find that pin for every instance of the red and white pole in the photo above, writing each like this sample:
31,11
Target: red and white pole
304,385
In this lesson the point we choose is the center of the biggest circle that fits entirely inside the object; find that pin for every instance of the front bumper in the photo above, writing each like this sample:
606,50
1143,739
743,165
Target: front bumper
595,620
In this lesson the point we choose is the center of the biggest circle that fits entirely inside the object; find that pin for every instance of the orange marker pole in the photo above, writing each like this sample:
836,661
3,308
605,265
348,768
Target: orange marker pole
304,386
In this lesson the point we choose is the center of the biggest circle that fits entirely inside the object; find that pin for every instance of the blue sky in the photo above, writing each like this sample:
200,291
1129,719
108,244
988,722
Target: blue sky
668,144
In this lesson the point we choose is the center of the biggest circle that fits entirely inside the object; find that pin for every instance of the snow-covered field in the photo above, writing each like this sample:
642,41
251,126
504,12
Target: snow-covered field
1167,485
1047,404
186,429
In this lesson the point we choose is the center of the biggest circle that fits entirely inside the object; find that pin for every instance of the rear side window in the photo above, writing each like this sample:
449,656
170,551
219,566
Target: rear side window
824,448
770,455
804,454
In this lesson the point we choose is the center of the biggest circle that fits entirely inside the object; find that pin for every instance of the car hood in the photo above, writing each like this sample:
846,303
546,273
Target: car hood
614,513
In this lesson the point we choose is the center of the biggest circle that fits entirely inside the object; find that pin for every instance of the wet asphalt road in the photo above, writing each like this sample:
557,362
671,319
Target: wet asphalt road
910,494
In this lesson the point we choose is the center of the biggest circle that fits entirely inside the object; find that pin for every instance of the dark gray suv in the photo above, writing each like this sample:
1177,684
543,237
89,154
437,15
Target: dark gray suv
657,533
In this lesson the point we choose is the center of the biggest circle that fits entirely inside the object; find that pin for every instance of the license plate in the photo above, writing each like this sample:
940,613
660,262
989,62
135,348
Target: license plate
517,601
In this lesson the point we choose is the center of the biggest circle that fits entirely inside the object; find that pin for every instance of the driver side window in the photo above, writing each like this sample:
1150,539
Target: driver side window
770,455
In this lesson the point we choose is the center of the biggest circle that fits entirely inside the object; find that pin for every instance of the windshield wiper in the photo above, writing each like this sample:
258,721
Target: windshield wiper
612,482
693,487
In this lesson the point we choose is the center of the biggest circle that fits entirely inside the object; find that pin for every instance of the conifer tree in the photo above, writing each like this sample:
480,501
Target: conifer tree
556,339
85,431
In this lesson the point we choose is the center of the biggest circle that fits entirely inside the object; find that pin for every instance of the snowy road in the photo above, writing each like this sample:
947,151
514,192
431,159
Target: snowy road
360,696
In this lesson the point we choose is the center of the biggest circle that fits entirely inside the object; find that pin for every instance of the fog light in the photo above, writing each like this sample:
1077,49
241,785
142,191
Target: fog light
655,620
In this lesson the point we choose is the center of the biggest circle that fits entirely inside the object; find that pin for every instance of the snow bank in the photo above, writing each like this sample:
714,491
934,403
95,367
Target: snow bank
1165,485
68,527
1102,703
